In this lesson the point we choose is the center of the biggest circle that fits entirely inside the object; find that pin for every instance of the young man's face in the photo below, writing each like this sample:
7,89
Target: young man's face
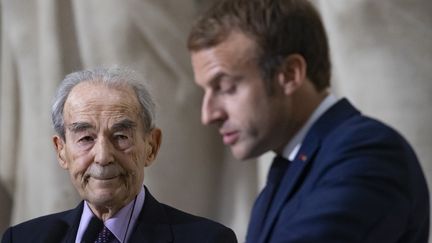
250,120
106,146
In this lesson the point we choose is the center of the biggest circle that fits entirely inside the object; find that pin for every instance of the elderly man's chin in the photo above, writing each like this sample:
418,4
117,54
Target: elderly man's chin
106,192
106,198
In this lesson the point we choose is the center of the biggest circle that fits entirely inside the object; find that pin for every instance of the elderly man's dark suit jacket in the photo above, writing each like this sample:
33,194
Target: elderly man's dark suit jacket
157,223
353,180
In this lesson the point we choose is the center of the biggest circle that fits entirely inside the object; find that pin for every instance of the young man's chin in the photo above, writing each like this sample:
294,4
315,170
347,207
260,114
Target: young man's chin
240,153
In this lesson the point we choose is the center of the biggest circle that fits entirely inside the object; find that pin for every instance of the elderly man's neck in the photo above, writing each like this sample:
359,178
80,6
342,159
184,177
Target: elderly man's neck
105,212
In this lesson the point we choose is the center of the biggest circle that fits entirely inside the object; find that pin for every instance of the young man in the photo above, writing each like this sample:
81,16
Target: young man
339,176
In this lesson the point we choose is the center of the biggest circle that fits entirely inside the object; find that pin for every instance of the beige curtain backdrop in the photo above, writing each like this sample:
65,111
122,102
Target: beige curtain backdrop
382,55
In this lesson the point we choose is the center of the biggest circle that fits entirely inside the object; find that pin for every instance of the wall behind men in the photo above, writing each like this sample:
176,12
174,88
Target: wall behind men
381,54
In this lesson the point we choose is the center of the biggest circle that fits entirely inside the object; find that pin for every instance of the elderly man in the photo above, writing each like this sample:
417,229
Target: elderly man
339,176
104,120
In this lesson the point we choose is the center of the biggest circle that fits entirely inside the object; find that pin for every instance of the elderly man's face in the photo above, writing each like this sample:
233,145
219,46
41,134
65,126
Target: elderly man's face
106,146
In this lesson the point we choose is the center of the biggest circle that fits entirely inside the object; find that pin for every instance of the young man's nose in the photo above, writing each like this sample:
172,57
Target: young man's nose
211,111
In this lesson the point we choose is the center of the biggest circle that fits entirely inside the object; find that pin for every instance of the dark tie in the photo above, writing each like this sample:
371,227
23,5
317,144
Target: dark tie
105,236
264,200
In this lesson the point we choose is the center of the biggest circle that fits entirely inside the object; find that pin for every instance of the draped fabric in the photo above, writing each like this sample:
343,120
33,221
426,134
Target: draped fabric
382,54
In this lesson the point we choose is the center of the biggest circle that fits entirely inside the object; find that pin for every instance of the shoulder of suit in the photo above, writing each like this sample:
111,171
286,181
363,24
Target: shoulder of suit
60,219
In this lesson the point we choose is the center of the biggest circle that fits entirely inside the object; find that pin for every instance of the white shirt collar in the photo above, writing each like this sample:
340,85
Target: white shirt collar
293,146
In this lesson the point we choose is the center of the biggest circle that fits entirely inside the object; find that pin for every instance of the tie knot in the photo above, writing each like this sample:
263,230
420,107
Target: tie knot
277,169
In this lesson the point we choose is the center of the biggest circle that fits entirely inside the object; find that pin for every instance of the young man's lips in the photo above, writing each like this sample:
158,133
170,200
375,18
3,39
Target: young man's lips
230,138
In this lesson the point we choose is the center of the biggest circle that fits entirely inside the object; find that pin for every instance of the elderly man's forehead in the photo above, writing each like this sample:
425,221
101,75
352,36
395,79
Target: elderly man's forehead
91,97
97,83
94,88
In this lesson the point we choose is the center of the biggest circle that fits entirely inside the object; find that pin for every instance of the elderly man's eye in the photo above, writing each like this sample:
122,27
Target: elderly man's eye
122,141
121,137
86,139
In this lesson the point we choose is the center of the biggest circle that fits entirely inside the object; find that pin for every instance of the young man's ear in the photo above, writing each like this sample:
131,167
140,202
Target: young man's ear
154,140
59,146
292,73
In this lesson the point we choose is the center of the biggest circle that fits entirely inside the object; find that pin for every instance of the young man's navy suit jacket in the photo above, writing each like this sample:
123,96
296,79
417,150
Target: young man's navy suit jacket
354,179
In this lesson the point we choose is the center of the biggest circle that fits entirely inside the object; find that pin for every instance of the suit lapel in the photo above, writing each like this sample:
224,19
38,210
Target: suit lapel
72,218
289,184
294,176
153,224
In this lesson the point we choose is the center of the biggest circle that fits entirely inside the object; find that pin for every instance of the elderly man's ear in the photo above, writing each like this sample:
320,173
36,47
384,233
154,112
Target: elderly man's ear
153,142
59,147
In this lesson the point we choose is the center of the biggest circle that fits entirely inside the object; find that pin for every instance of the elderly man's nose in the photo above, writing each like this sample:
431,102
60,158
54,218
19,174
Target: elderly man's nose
103,152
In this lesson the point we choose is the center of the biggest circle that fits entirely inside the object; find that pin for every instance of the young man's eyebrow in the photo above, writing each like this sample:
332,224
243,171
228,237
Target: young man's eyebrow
79,126
218,77
124,124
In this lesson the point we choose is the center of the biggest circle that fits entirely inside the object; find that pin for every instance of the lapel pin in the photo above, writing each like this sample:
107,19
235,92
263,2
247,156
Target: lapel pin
303,157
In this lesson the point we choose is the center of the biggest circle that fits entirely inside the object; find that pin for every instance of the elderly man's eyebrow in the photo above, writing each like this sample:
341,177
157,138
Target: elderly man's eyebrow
124,124
79,126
